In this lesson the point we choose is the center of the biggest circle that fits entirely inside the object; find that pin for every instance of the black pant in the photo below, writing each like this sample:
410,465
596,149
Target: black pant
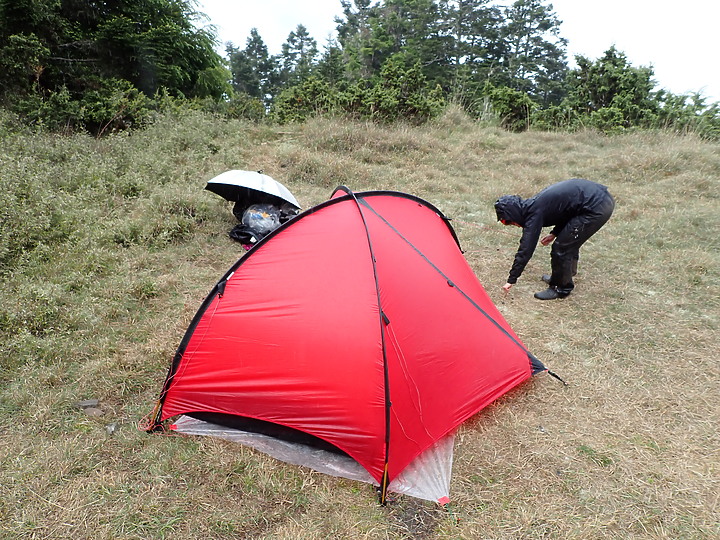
565,251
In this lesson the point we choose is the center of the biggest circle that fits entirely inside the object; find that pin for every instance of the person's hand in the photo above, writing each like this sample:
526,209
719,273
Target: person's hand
507,287
547,239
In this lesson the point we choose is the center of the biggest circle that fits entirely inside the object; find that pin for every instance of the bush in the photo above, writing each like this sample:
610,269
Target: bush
311,97
28,219
397,93
512,108
402,93
114,105
58,112
555,117
607,119
20,65
238,107
687,114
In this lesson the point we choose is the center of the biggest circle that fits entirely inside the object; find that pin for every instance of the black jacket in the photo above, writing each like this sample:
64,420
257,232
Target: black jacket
553,206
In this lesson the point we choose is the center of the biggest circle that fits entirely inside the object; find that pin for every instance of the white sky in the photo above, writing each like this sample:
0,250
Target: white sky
678,39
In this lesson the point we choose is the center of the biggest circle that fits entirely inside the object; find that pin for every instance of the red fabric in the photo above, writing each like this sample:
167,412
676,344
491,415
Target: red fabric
297,337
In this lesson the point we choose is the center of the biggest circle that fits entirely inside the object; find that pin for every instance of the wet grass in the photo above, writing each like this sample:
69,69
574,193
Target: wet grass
107,248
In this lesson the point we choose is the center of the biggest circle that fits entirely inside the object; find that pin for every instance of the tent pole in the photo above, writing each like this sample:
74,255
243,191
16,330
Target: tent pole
384,486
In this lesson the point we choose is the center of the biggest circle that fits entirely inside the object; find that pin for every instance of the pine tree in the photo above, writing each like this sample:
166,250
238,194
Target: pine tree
473,45
252,68
330,67
298,57
354,38
534,51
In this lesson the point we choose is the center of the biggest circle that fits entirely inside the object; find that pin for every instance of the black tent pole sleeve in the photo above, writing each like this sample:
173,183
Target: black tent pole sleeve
383,322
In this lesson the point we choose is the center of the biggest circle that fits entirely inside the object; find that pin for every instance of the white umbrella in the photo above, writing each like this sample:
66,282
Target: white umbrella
250,187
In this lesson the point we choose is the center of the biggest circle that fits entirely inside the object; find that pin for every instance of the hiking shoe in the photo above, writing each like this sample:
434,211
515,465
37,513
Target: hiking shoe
549,294
546,278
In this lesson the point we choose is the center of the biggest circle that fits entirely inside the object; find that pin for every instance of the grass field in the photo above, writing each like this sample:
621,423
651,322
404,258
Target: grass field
108,247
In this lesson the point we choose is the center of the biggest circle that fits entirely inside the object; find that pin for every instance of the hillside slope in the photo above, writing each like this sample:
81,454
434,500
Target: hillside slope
107,248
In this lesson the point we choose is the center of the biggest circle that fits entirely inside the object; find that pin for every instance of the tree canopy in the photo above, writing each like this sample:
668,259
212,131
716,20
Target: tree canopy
104,64
92,49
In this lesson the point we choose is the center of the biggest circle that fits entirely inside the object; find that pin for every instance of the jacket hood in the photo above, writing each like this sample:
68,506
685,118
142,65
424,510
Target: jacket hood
510,208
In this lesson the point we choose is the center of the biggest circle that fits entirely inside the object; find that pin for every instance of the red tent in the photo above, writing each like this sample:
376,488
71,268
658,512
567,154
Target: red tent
358,323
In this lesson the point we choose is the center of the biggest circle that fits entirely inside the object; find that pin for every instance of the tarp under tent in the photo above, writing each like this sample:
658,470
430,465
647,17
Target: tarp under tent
354,339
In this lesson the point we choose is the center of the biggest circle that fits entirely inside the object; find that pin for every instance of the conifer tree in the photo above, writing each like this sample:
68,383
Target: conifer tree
252,67
534,51
151,44
610,90
298,56
473,45
354,37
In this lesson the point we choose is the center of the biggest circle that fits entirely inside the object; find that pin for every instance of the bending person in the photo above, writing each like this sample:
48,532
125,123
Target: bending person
576,209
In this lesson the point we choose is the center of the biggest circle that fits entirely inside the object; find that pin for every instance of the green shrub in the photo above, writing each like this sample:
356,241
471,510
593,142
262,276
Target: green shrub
555,117
512,108
607,119
238,107
398,93
402,93
115,105
28,219
58,112
311,97
21,61
687,114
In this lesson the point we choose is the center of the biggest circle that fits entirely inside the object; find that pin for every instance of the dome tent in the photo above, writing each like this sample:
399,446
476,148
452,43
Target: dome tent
357,326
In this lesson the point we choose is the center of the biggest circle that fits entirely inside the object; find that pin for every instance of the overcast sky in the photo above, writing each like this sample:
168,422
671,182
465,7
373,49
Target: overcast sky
678,39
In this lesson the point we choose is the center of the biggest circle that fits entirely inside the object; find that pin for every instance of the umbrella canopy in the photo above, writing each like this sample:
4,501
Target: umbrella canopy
250,187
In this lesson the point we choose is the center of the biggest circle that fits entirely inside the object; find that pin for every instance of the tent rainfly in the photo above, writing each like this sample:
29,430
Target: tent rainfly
356,332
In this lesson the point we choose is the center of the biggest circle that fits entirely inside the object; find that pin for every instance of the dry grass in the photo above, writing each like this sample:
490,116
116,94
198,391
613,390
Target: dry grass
628,450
